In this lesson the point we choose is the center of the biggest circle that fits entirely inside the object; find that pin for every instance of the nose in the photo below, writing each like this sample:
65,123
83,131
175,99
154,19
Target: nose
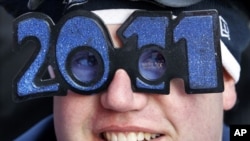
120,97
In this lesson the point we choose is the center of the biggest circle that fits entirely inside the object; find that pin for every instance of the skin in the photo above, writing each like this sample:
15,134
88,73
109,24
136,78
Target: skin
177,116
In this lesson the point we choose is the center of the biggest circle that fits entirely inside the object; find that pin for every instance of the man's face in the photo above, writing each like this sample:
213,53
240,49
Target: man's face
119,114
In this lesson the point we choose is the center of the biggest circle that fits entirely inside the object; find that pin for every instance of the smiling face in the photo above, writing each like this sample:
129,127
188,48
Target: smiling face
119,114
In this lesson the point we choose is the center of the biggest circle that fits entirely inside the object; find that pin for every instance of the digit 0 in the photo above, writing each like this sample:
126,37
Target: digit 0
82,52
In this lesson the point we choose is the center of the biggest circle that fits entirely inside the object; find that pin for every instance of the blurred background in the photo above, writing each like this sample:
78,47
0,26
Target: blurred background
15,118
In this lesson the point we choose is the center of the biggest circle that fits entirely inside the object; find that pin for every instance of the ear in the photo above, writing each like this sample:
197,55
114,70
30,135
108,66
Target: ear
229,94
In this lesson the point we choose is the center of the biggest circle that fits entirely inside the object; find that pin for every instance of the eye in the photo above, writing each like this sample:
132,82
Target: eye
85,66
86,60
152,64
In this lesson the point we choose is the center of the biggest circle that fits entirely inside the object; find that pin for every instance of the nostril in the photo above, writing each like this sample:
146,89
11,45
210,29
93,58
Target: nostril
116,104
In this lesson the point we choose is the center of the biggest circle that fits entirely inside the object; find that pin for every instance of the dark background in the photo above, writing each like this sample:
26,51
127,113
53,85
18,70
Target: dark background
15,118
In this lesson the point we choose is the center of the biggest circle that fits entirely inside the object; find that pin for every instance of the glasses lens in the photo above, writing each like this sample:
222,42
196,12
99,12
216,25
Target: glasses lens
152,64
85,66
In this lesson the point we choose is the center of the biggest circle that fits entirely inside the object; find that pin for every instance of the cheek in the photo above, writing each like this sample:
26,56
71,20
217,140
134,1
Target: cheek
193,106
192,113
206,116
197,107
72,114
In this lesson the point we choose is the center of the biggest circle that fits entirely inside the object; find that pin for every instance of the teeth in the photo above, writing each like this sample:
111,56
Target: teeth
129,136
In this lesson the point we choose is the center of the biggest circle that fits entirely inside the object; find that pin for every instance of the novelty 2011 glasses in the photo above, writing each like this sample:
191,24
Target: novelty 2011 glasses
155,49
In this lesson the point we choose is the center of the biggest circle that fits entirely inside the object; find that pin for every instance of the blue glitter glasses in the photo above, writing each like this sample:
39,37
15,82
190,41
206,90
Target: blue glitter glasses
155,49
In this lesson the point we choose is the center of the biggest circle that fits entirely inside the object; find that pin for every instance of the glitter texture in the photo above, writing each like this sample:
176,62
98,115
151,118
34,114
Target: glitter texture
79,32
198,32
141,84
150,30
41,30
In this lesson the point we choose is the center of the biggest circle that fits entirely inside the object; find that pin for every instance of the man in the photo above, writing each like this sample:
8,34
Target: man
118,113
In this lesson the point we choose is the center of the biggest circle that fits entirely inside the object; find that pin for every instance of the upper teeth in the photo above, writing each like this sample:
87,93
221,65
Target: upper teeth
129,136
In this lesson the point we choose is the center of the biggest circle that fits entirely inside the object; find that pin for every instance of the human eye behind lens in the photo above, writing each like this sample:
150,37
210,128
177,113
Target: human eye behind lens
152,64
84,66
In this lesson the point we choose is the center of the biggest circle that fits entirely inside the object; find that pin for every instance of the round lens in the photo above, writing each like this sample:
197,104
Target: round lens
85,66
152,64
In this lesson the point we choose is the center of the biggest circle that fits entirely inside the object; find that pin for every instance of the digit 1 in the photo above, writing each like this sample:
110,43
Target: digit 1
149,29
199,32
82,52
37,28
